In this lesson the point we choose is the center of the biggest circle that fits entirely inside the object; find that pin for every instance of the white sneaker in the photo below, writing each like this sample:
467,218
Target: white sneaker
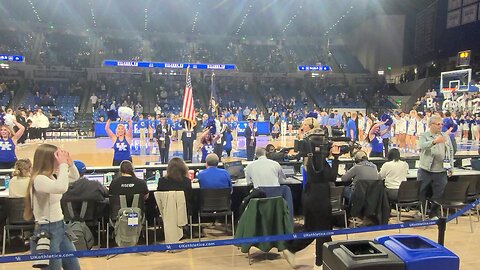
317,267
290,257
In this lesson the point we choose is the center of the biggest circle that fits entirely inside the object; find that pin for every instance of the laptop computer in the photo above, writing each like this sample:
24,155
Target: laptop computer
288,170
140,173
95,177
235,169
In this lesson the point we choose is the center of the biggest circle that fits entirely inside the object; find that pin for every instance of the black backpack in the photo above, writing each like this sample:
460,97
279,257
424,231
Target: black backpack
77,226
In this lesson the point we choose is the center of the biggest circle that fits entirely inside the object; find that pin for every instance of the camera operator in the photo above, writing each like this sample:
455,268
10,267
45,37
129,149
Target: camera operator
320,172
279,155
43,203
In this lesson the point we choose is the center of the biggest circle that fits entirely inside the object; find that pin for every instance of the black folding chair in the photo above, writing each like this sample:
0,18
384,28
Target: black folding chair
215,203
15,221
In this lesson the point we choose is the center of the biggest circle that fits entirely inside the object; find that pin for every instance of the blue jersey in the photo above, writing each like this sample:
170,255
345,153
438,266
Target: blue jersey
206,149
121,150
7,151
142,123
377,144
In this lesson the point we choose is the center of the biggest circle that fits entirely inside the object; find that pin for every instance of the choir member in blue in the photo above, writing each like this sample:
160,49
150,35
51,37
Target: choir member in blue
188,138
122,139
8,142
227,139
250,138
163,132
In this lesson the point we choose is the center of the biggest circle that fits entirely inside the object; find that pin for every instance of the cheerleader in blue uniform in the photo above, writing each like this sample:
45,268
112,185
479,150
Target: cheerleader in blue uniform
207,140
8,144
375,139
122,139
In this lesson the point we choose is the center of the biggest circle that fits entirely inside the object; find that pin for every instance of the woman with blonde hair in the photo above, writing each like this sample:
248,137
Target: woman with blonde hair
8,142
121,139
18,187
52,172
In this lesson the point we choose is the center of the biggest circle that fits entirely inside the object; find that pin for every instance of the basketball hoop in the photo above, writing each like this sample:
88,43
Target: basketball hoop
448,92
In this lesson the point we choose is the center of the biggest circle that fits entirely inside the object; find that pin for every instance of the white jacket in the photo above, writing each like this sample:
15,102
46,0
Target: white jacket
42,121
173,209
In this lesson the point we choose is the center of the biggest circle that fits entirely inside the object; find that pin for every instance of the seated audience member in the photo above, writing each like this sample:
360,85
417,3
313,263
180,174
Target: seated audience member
394,172
84,189
18,187
213,177
128,184
264,172
362,170
176,179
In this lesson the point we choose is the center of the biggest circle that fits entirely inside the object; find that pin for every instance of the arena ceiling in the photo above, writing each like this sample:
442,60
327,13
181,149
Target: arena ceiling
271,18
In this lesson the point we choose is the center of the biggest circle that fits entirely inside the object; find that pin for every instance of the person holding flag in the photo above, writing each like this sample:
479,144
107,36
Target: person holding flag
188,113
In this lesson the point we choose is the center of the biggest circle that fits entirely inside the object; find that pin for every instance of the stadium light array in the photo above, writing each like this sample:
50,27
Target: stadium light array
292,19
245,16
195,18
34,10
339,20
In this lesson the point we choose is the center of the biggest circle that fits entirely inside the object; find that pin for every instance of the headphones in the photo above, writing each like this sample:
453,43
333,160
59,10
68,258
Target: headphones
360,156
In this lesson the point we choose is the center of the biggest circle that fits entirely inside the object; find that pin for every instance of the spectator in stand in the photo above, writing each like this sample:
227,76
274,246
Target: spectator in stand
43,124
94,100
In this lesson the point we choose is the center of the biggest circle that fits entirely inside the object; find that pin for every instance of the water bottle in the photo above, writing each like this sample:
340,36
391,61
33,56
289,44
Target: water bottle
7,181
157,176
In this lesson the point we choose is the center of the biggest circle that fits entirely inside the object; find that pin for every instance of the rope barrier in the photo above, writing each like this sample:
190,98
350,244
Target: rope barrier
227,242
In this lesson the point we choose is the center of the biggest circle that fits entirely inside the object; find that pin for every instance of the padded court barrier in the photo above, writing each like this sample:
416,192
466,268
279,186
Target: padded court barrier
227,242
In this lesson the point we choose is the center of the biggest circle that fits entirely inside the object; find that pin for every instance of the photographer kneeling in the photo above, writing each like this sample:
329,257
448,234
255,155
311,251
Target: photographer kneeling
320,171
52,171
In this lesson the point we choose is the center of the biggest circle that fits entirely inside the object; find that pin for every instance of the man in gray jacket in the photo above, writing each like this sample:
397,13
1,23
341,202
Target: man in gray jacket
362,170
436,161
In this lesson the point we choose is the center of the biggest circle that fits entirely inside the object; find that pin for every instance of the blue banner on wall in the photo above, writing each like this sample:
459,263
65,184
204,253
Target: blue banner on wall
263,128
144,64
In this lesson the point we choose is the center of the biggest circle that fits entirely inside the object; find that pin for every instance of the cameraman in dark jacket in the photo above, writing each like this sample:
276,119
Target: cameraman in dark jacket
320,172
280,155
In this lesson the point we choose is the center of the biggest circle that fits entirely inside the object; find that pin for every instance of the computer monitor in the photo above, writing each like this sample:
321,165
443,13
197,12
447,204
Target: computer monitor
95,177
2,181
288,170
140,173
235,169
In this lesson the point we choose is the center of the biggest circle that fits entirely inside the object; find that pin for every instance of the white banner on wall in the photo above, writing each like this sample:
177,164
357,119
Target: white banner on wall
469,14
453,18
454,4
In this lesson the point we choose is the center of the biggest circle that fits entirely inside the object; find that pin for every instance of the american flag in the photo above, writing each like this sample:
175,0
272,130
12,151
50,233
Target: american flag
188,110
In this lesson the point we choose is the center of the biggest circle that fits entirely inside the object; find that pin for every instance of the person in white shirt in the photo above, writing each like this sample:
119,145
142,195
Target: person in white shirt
18,187
94,100
394,172
43,124
52,171
264,172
